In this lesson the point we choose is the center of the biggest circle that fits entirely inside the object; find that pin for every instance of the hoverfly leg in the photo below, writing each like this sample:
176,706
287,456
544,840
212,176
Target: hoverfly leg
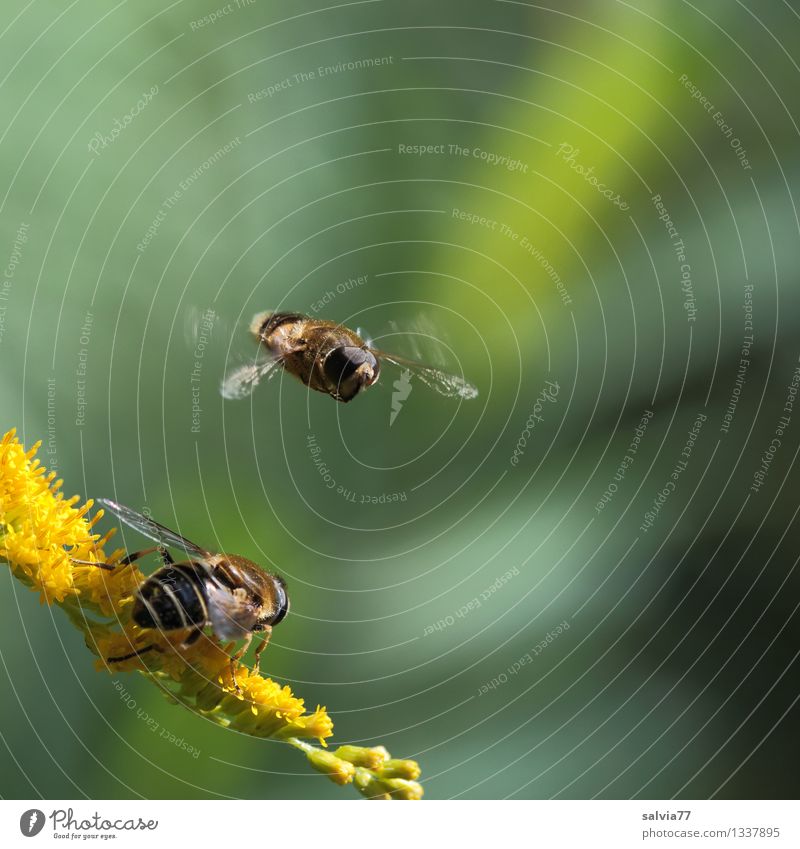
166,558
129,656
129,558
108,566
137,555
260,648
192,638
235,658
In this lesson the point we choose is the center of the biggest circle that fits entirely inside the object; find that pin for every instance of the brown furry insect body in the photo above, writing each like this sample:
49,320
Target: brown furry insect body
227,593
327,357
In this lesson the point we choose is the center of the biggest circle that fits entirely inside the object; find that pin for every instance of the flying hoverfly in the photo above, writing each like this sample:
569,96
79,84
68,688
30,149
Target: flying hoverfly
228,593
327,357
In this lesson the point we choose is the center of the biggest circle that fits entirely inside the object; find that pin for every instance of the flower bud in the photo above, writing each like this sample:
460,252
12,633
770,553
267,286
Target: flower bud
399,788
363,756
339,771
396,768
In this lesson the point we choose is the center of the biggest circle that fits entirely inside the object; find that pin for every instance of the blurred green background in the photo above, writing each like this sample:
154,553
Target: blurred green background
160,161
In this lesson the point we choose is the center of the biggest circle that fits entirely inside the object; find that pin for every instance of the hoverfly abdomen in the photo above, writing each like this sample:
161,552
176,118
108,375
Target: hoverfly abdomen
173,597
264,324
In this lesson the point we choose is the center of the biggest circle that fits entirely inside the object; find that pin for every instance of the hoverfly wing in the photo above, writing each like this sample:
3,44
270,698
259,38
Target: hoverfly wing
230,616
150,528
241,381
445,384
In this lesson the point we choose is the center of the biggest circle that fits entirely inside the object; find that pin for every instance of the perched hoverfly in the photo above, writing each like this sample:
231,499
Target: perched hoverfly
231,595
327,357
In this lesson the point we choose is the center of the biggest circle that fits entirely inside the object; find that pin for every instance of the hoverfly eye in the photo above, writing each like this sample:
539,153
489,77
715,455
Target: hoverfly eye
341,363
349,368
281,602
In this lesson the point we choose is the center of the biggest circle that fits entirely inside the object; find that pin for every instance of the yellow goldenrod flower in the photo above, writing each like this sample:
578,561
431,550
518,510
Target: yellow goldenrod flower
42,534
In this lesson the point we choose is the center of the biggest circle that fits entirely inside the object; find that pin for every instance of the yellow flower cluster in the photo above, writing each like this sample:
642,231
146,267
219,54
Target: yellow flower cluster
42,534
373,771
41,531
199,676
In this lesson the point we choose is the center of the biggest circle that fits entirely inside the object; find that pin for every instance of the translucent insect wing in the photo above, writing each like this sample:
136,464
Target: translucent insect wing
149,528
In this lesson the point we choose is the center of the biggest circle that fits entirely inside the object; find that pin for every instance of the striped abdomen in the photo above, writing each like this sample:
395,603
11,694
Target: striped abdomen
173,597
